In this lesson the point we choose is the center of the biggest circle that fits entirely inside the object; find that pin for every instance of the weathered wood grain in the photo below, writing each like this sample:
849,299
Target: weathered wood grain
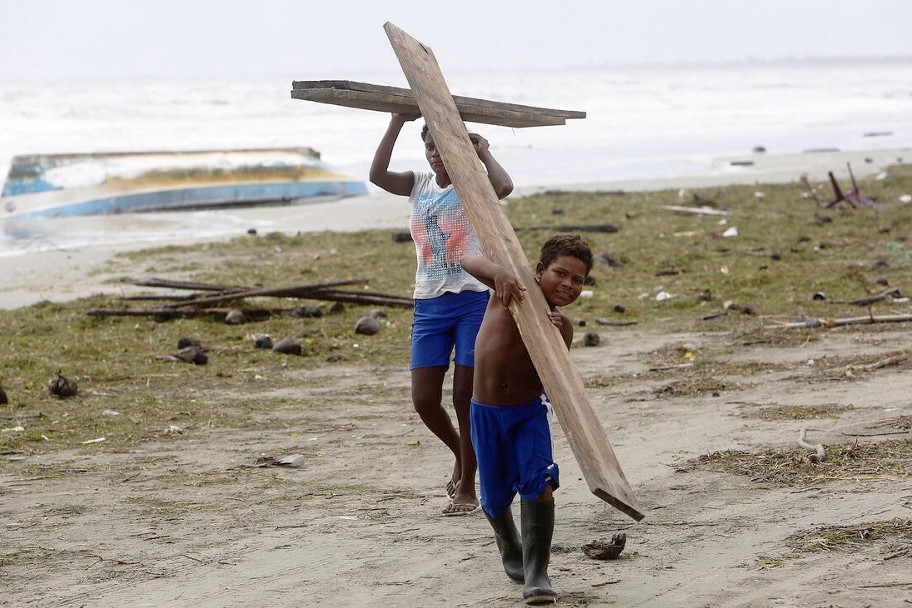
559,376
394,99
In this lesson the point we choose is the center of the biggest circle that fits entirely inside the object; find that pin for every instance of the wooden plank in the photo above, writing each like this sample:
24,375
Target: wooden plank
562,382
394,99
394,103
352,85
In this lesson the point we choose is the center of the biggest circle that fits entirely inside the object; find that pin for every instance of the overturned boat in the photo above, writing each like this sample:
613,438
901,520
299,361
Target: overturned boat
59,185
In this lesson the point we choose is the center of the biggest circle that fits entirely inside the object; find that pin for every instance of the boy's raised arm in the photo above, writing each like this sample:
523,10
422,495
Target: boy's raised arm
505,285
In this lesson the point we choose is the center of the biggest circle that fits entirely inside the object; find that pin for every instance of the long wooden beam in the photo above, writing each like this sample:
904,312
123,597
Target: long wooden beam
394,99
562,382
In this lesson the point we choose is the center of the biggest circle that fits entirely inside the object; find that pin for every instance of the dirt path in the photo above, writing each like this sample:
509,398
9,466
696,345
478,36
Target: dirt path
186,520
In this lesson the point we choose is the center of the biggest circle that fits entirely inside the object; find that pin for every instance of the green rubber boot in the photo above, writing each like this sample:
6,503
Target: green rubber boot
537,528
507,537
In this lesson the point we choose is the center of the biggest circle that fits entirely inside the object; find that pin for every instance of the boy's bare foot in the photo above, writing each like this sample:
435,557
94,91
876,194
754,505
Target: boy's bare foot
461,508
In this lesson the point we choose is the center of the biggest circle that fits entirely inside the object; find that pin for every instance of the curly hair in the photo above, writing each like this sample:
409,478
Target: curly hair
566,244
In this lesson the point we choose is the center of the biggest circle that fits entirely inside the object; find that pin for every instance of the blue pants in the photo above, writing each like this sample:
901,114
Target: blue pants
446,322
514,451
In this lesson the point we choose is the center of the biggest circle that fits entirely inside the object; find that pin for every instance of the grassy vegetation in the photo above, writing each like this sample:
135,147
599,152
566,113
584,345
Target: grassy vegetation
785,251
798,412
791,467
893,534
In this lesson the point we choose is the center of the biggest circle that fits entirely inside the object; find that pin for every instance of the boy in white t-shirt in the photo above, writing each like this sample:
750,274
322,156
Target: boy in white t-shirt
449,303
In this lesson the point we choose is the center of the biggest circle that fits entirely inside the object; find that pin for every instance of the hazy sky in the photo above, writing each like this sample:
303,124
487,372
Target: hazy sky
301,39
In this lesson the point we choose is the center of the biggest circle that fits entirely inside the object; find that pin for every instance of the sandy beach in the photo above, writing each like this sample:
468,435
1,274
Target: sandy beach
196,519
44,270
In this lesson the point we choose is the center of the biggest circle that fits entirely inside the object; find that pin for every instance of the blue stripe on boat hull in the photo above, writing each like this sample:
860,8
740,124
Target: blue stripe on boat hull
197,198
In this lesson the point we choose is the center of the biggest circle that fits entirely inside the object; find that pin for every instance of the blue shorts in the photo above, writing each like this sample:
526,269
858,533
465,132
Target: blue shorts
514,452
442,323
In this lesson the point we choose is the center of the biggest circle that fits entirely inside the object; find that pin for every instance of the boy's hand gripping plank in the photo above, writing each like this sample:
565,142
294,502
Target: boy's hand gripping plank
562,382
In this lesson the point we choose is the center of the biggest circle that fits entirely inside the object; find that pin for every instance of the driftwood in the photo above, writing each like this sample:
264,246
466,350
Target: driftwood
607,228
885,362
310,293
22,416
173,284
889,294
601,321
228,293
201,305
697,210
299,291
814,323
251,314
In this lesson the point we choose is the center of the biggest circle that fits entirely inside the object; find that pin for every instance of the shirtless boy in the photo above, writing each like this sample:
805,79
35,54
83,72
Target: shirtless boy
510,415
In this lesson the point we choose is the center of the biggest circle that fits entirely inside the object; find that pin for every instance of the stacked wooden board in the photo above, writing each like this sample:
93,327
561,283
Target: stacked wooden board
393,99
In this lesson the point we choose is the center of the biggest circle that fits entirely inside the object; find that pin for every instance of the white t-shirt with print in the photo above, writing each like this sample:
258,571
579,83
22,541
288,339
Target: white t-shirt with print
443,234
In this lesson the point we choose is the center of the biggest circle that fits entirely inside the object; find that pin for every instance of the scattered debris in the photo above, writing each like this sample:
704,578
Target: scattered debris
21,416
854,198
367,326
308,311
288,346
600,321
590,338
97,440
62,387
885,362
605,228
262,341
173,429
186,342
606,549
293,460
698,210
818,453
235,316
823,322
264,460
3,398
194,355
888,295
195,305
612,260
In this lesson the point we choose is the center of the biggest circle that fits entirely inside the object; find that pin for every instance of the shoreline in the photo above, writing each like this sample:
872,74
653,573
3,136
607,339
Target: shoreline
61,272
